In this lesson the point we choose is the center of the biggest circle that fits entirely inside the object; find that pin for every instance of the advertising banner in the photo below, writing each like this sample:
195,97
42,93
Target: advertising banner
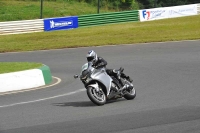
153,14
168,12
180,11
63,23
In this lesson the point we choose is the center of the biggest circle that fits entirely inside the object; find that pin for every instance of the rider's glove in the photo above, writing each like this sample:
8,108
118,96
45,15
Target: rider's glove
97,66
94,66
100,64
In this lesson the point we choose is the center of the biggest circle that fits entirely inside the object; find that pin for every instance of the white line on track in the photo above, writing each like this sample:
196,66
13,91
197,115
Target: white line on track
43,99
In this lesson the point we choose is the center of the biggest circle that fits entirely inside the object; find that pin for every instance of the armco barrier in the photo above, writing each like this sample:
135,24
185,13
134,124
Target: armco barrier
107,18
18,27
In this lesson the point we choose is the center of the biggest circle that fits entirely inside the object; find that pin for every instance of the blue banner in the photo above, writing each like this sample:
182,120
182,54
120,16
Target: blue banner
63,23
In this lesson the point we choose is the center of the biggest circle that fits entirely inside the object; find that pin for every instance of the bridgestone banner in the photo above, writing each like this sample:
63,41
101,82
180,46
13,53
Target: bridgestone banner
168,12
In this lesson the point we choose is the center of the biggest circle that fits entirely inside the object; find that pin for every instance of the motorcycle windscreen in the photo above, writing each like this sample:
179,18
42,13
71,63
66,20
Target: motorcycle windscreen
84,67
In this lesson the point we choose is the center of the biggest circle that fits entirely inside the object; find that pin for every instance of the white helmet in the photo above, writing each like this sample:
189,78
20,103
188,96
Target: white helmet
92,56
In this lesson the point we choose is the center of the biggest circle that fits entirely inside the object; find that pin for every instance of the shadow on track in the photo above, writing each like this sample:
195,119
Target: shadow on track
75,104
84,103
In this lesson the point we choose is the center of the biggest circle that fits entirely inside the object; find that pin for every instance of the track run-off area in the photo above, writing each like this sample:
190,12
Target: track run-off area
166,77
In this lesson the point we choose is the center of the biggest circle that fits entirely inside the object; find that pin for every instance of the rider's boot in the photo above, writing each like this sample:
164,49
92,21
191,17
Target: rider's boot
125,87
127,77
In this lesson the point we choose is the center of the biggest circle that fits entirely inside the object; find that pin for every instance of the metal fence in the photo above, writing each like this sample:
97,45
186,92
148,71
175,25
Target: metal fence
18,27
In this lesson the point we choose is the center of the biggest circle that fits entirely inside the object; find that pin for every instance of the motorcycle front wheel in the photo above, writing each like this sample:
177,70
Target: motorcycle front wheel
97,97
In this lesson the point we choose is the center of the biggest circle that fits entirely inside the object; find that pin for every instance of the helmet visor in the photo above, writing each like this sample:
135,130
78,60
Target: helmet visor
89,59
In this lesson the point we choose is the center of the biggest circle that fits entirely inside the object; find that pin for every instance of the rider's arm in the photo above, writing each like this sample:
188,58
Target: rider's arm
102,62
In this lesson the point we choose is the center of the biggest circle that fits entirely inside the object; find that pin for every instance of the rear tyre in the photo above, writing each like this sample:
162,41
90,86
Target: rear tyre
130,94
97,97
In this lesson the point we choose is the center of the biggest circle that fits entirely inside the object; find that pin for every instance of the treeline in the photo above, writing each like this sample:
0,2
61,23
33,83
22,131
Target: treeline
164,3
138,4
114,4
131,4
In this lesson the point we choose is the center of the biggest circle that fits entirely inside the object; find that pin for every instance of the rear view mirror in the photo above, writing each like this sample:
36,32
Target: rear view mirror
76,76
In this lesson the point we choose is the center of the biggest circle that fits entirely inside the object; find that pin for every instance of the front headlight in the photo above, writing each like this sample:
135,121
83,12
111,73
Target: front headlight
84,75
83,78
86,79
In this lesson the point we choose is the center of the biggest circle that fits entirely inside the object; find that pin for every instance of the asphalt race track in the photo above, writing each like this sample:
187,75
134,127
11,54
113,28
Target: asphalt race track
166,77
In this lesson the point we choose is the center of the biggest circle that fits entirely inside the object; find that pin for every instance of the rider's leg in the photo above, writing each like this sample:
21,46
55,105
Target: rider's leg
112,73
109,71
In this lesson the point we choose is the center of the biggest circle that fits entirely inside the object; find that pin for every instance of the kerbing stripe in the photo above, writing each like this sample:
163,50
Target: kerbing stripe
46,74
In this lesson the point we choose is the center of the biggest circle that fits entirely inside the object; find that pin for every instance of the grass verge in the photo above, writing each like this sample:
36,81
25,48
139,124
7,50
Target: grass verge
184,28
12,10
7,67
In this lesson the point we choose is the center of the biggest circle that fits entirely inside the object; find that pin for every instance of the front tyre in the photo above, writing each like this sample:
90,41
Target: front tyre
130,94
97,97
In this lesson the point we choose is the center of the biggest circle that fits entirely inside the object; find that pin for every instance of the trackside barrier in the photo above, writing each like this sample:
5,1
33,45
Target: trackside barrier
198,8
39,25
108,18
19,27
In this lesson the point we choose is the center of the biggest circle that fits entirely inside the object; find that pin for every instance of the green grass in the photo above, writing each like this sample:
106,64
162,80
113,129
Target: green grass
7,67
184,28
11,10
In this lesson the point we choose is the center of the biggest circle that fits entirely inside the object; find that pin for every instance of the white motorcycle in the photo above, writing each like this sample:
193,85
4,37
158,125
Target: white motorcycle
102,87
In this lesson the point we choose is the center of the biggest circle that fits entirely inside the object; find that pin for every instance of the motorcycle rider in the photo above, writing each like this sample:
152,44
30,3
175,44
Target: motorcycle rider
100,62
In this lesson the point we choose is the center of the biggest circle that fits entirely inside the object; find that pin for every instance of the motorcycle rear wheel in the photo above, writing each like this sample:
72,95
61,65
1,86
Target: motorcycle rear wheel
131,94
97,97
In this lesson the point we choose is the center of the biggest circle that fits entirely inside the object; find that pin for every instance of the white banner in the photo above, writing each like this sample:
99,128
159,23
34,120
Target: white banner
180,11
168,12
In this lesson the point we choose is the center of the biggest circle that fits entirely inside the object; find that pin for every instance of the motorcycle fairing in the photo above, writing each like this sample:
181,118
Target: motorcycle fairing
101,76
